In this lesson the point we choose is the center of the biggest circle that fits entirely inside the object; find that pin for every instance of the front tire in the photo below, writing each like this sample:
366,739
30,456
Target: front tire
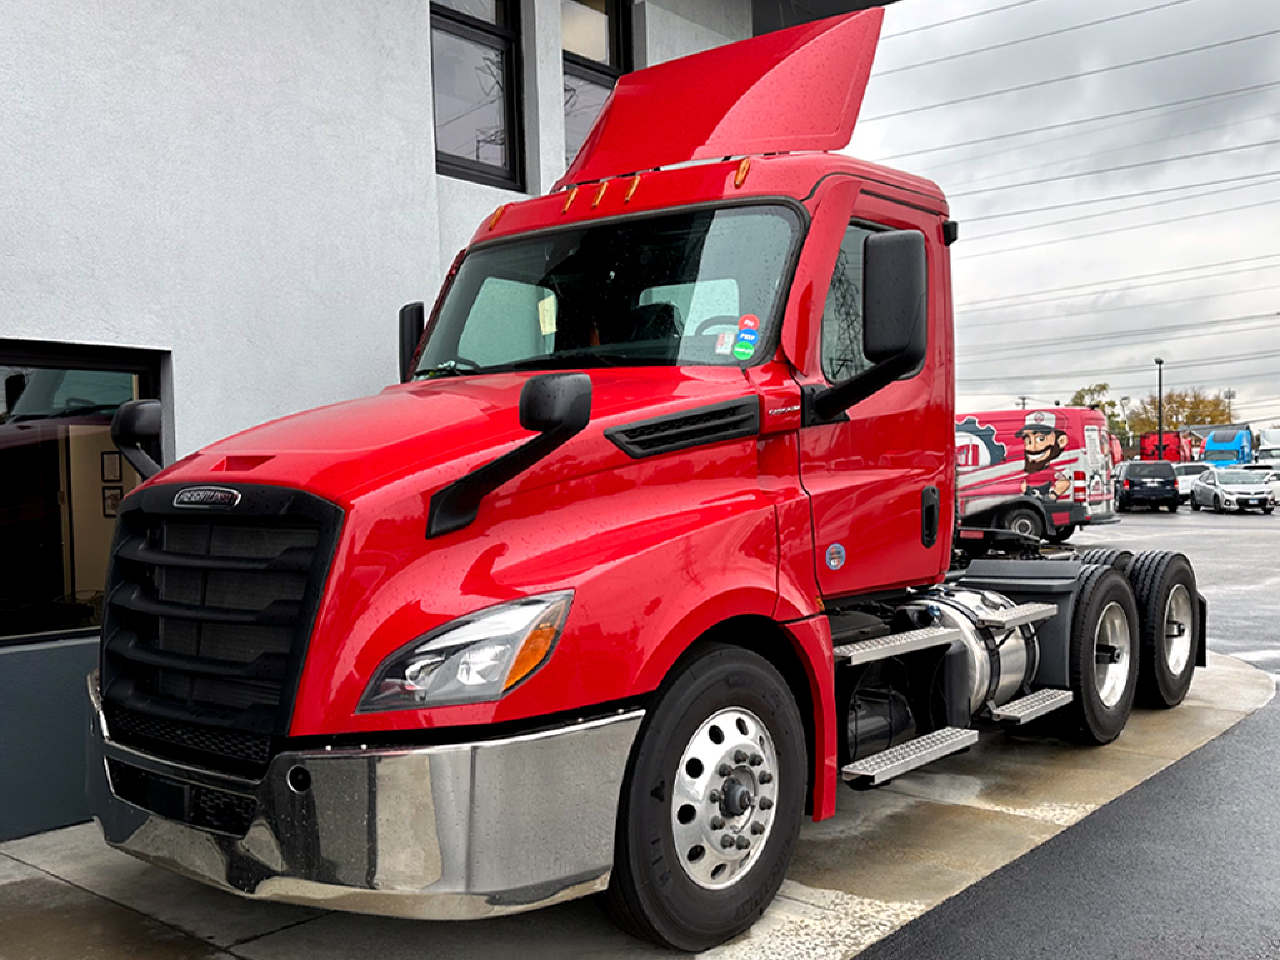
1195,504
721,757
1217,504
1164,586
1103,657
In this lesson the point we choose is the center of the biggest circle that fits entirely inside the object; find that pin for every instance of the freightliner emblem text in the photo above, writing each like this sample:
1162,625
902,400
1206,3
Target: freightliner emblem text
207,497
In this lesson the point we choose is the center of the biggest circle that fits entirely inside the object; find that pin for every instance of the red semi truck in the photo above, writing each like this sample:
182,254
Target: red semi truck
1042,473
651,549
1177,447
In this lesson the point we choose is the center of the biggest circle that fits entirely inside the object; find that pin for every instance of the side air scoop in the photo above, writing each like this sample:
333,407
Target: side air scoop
796,89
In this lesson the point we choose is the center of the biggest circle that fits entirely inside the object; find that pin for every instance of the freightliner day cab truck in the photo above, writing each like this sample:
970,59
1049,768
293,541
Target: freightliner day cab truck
650,550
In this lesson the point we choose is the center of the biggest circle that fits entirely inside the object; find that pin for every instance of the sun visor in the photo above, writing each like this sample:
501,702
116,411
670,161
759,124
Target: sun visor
796,89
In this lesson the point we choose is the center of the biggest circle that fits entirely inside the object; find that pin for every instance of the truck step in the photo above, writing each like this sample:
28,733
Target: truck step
896,644
1031,706
1023,613
898,760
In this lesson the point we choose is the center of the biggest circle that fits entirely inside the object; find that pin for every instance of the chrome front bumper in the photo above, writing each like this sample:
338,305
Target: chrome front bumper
439,833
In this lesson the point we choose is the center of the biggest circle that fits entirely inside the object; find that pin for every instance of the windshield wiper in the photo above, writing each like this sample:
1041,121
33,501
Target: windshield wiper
562,361
450,368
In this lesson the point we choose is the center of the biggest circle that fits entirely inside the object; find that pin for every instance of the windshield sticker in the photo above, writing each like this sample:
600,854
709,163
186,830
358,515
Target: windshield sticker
724,344
749,321
748,336
743,350
547,315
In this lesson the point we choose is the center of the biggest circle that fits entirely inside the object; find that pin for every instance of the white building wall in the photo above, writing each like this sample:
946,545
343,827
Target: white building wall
251,186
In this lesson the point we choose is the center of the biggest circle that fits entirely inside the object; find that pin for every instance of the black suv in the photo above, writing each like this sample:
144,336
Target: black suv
1151,483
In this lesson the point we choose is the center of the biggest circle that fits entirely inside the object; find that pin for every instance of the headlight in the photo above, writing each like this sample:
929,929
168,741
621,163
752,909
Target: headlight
1230,501
474,658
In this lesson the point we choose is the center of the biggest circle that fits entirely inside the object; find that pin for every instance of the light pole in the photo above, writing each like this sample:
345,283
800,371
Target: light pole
1128,427
1159,408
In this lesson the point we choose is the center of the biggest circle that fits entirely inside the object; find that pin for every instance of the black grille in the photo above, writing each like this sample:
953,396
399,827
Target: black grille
693,428
190,803
209,611
219,747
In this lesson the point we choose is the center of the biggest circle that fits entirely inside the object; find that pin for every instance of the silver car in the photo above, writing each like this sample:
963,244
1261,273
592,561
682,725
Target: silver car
1233,490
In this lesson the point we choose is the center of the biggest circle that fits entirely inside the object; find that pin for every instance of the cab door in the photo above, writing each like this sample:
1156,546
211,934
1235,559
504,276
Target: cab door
881,476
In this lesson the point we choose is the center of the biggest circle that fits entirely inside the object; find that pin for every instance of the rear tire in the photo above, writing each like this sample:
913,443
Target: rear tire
1061,535
1164,586
673,883
1025,521
1120,559
1104,628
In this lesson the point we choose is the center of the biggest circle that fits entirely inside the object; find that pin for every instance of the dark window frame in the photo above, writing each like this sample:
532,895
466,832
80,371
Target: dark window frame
506,39
76,356
620,35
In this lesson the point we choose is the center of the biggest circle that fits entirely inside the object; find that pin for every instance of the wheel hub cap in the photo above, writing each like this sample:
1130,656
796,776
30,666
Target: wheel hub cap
1111,654
1177,629
723,796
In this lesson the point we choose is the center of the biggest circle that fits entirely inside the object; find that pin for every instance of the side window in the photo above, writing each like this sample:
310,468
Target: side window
509,321
842,350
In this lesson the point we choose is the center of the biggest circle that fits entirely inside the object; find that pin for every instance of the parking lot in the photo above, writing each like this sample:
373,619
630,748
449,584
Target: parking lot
1008,849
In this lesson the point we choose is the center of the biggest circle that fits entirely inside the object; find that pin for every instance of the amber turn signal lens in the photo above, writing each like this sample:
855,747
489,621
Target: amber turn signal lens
538,643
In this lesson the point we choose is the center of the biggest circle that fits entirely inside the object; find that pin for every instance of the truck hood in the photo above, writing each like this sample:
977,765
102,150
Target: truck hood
437,430
796,89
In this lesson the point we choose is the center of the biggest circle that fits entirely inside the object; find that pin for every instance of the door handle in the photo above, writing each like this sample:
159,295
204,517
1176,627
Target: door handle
930,509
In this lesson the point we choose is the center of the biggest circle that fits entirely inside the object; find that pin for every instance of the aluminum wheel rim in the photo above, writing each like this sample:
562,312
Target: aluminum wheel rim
722,801
1111,654
1024,526
1177,629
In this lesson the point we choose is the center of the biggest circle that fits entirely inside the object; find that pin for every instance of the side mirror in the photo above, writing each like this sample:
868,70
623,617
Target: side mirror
557,406
135,423
895,320
895,297
412,322
14,384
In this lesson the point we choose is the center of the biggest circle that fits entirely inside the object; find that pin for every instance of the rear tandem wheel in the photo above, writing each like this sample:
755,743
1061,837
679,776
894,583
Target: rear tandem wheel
1103,657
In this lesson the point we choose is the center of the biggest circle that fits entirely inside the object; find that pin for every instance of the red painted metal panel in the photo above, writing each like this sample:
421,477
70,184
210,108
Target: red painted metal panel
796,89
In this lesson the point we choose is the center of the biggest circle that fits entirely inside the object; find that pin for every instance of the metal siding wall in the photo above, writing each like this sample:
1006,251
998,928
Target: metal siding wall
42,731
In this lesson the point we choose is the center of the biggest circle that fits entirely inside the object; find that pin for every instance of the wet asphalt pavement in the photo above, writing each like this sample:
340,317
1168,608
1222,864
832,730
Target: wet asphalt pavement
1188,863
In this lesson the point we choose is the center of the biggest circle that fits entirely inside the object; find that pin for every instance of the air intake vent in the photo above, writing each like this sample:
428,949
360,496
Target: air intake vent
689,428
208,616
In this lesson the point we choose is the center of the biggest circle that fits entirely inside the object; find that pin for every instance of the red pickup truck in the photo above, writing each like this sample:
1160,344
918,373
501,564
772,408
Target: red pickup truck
651,549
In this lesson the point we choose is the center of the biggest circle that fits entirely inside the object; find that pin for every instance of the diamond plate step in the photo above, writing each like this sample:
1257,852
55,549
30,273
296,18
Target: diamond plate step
1017,616
1031,706
896,644
898,760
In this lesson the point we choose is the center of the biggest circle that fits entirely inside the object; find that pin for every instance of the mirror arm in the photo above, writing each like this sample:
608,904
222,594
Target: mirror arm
454,507
829,403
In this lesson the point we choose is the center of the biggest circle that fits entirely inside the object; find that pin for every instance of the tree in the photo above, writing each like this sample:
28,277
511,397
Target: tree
1182,408
1096,396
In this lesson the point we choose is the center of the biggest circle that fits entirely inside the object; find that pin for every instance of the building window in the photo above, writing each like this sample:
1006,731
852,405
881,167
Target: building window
596,53
61,481
474,54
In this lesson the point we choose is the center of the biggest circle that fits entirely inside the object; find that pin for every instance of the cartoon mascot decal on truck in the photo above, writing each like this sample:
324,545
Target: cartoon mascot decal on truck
1042,441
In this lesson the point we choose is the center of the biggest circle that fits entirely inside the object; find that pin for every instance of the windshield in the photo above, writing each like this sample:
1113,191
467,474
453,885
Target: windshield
1188,469
1222,455
1246,477
699,287
1161,468
1269,453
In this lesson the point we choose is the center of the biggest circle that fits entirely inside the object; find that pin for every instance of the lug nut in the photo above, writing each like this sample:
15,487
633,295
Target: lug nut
717,823
765,777
740,756
757,828
725,770
714,796
756,760
743,843
766,803
727,841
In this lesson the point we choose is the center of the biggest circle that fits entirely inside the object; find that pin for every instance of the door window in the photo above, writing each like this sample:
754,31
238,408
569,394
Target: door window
842,344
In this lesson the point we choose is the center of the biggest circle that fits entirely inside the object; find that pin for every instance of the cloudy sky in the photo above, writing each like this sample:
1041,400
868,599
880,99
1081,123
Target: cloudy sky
1106,220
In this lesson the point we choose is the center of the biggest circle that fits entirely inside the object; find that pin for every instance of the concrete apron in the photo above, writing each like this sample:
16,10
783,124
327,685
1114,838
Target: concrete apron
886,857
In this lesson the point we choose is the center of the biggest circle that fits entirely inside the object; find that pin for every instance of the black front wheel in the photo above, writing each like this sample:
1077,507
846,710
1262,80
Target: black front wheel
712,804
1195,504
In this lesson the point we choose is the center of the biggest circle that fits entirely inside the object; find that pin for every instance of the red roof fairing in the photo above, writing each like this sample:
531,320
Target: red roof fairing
797,89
